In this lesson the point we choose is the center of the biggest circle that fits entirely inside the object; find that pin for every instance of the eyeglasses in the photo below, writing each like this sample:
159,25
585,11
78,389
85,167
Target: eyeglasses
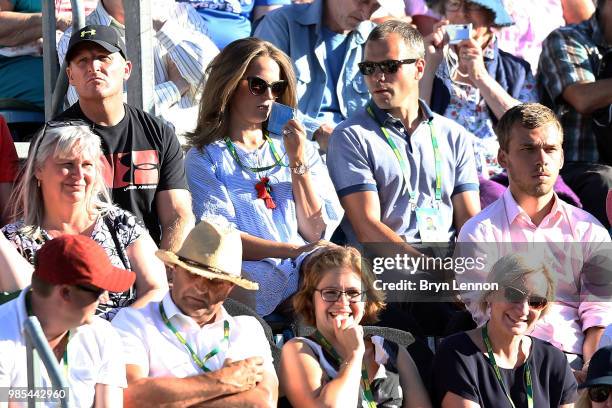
514,295
600,393
456,5
96,291
387,67
332,295
258,86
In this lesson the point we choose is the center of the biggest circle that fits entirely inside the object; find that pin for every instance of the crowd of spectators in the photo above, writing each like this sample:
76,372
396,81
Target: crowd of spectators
239,269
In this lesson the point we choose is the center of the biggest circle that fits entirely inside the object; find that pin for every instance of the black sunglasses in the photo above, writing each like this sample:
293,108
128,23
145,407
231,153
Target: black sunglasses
52,124
387,67
258,86
96,291
600,393
332,295
514,295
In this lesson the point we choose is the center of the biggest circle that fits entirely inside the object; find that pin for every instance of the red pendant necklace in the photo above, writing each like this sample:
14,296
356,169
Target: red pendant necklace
263,187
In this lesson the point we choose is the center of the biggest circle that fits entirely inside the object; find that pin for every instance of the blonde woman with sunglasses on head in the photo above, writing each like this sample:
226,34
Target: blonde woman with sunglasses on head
499,364
273,188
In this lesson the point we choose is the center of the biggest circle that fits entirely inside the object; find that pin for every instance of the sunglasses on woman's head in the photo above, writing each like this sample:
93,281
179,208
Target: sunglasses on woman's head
387,67
514,295
258,86
600,393
53,124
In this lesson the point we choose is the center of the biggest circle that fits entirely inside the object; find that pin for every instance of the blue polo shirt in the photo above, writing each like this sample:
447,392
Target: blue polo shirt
360,159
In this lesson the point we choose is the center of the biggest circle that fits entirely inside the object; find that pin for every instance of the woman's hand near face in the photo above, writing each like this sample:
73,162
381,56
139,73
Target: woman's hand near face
434,45
350,338
471,61
294,138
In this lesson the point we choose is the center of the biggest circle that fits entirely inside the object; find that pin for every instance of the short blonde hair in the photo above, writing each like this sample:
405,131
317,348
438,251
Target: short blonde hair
584,401
336,257
510,268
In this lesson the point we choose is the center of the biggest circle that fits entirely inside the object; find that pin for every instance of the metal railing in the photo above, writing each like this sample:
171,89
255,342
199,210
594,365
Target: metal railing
37,351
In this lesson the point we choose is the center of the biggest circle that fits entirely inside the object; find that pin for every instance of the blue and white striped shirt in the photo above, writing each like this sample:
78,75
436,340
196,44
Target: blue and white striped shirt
220,188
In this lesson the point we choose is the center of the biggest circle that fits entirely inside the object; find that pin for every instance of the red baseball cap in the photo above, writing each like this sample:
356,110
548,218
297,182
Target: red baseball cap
79,260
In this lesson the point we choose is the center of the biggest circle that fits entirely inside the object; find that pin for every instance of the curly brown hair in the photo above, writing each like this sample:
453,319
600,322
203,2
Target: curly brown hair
336,257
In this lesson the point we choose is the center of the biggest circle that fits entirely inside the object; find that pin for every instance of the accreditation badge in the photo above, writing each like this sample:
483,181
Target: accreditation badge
429,222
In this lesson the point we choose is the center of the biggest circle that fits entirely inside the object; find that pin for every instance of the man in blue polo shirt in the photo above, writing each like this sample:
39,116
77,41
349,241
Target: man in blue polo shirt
402,172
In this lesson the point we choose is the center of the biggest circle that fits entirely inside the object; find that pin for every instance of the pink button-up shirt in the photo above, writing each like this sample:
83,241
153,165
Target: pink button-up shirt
566,239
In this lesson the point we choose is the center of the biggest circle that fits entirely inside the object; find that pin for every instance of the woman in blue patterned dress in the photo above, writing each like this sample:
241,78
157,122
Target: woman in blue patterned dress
275,189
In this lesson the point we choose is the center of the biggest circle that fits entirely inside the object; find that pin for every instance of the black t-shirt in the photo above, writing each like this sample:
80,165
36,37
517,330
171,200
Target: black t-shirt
460,367
142,156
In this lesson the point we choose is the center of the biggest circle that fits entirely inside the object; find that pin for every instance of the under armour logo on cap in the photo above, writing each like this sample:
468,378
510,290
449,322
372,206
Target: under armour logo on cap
105,36
90,32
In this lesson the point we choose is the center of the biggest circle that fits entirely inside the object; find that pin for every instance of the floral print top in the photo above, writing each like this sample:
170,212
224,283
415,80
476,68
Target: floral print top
468,108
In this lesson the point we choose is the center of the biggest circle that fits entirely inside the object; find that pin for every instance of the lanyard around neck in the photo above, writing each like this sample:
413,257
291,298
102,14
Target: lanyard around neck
234,153
28,304
402,162
528,379
365,384
200,362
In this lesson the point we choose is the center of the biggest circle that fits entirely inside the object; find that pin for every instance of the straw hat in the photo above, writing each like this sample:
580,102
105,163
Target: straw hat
212,252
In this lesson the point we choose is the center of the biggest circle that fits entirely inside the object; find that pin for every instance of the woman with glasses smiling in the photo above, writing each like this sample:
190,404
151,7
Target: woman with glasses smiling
274,189
62,191
499,364
337,366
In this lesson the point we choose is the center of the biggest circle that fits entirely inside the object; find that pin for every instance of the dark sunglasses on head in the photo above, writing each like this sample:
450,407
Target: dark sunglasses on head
600,393
514,295
52,124
387,67
332,295
258,86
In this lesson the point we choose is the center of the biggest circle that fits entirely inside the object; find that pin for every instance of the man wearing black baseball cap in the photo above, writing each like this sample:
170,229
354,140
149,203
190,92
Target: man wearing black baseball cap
71,273
144,159
105,36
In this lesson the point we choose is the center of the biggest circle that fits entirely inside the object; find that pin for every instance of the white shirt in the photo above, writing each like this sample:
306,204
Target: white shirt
93,356
151,345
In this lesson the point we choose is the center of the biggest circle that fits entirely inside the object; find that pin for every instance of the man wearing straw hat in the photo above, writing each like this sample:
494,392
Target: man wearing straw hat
187,349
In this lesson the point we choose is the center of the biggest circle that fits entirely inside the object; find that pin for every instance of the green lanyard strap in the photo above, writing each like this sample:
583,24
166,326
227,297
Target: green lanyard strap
404,166
528,379
365,384
277,157
201,363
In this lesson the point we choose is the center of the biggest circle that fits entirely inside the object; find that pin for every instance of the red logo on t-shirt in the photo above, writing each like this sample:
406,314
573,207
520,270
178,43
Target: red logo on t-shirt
131,169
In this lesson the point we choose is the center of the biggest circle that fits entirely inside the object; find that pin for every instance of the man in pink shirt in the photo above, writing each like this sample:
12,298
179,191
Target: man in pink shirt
529,217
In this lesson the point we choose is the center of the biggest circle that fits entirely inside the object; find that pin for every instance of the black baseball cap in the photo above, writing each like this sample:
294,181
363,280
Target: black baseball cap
600,368
106,36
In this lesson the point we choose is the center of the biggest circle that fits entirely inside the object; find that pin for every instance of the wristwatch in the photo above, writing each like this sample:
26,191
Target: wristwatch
300,168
